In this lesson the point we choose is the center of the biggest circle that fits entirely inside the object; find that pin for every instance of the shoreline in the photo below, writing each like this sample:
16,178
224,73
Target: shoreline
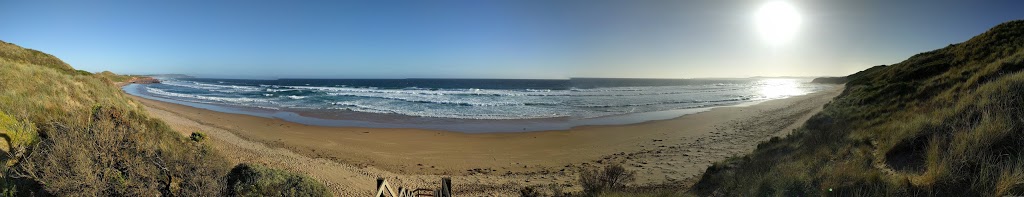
348,159
344,119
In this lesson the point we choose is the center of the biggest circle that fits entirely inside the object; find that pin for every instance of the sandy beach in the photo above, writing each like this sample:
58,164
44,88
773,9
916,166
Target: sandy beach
349,160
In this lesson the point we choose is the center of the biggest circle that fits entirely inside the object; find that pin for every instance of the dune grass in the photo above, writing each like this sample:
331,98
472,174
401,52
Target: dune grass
70,133
18,54
948,122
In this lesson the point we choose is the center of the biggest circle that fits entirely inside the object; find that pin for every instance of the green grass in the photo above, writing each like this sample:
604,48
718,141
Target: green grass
197,136
948,122
68,133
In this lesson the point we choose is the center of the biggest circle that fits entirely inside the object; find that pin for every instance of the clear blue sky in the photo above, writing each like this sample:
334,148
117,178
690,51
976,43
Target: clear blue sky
487,39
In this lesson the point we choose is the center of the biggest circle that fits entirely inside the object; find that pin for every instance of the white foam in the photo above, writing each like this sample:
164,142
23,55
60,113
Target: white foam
421,91
441,99
211,87
474,103
208,98
280,90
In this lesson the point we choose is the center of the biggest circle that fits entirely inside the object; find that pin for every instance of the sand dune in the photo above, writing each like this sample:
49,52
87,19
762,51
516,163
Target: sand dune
349,160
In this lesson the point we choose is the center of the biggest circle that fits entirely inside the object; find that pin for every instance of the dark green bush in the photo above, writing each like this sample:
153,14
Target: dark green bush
256,180
197,136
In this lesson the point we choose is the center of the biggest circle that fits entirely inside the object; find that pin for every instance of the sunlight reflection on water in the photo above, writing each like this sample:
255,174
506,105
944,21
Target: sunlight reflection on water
776,88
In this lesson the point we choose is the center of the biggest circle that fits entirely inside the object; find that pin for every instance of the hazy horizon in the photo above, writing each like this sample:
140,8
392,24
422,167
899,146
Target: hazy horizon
493,39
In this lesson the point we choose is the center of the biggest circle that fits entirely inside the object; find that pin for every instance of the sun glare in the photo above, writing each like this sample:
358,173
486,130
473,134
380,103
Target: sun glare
778,88
777,22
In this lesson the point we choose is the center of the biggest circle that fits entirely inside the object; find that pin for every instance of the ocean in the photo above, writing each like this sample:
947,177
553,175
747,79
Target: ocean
470,104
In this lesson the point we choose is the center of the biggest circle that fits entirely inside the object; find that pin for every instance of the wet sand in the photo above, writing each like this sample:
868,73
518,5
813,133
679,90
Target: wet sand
349,159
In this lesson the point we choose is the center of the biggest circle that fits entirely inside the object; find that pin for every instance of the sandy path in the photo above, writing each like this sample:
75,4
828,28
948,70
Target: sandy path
349,159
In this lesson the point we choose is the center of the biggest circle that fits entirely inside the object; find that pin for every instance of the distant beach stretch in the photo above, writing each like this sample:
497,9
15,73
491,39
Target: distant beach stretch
470,105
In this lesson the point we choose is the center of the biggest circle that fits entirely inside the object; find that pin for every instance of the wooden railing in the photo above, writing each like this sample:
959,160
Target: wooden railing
386,190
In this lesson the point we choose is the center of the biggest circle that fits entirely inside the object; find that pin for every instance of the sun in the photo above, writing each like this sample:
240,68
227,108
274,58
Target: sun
777,22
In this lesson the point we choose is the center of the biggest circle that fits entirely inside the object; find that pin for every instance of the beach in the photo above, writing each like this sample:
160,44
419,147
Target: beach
663,153
512,98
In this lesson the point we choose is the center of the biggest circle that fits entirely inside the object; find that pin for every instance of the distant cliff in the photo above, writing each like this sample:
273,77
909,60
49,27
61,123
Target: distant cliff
120,80
170,75
829,80
143,80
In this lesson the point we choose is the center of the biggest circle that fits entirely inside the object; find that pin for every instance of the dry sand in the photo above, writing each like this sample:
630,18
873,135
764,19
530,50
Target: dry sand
349,160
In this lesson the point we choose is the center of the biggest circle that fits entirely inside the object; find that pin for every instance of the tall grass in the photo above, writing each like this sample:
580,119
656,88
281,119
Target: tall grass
17,54
948,122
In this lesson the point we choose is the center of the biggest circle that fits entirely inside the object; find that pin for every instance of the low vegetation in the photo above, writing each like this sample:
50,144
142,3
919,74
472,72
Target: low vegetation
948,122
256,180
71,133
609,180
197,136
611,177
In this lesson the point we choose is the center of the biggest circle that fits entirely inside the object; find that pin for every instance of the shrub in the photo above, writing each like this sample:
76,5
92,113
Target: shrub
529,192
197,136
256,180
121,153
612,176
551,190
18,135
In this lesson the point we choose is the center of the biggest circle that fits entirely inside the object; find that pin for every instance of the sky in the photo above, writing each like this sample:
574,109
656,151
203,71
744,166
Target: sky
490,39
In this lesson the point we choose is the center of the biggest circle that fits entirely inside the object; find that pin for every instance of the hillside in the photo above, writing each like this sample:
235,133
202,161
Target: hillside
948,122
73,133
829,80
15,54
